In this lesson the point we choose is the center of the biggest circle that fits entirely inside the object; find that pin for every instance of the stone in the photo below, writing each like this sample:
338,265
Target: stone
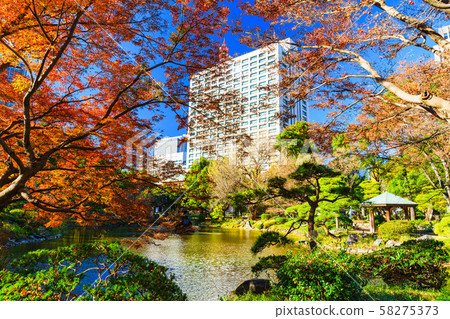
255,285
378,242
391,243
352,239
425,237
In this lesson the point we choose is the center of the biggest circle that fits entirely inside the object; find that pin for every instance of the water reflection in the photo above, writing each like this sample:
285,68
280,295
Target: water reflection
207,265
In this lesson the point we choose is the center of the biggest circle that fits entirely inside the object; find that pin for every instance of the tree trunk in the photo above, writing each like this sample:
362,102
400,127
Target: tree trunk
311,224
412,213
372,221
252,215
429,213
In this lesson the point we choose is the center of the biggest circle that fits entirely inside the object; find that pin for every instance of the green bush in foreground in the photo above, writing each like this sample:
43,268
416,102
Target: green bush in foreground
395,229
421,263
320,276
265,217
73,272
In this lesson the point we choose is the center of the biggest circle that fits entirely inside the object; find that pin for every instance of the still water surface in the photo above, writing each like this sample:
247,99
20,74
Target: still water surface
207,264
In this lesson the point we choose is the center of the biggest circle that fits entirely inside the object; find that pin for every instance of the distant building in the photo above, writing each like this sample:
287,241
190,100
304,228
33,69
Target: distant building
445,32
253,110
171,149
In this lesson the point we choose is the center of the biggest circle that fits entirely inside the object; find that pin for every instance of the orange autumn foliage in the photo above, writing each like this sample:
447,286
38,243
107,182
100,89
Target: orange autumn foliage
73,76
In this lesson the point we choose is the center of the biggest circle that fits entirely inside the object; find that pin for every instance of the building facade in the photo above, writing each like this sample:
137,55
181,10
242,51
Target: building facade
236,101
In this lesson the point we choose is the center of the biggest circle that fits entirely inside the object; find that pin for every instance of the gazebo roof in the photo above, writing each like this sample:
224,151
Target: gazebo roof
388,199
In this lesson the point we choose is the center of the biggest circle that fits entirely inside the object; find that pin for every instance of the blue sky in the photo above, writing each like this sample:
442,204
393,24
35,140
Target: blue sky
169,127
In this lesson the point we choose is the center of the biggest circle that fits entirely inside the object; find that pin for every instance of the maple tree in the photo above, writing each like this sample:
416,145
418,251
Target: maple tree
346,52
406,146
73,76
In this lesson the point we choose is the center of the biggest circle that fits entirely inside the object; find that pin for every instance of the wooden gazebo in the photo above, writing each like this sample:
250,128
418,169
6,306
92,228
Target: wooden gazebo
387,202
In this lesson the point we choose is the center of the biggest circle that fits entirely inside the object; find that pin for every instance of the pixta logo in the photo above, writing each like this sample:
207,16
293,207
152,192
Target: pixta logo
289,149
140,151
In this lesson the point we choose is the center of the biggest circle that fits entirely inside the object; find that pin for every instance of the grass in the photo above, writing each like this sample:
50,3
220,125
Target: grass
377,290
399,293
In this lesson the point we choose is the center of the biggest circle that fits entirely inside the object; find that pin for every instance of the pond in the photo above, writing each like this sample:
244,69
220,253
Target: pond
207,264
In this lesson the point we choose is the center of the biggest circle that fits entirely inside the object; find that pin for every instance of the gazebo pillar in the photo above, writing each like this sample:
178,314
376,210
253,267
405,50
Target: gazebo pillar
371,221
388,214
406,210
413,213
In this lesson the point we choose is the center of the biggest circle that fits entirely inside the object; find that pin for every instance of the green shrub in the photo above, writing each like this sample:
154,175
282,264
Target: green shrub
269,238
258,225
269,262
345,221
269,223
395,229
317,276
420,262
217,213
379,220
66,273
443,227
265,217
281,220
420,222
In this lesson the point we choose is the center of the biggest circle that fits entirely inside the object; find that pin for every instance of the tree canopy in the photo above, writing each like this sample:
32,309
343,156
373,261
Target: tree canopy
73,76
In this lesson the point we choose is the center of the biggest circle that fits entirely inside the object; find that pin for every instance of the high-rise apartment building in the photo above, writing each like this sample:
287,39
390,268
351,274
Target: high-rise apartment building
445,32
237,100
